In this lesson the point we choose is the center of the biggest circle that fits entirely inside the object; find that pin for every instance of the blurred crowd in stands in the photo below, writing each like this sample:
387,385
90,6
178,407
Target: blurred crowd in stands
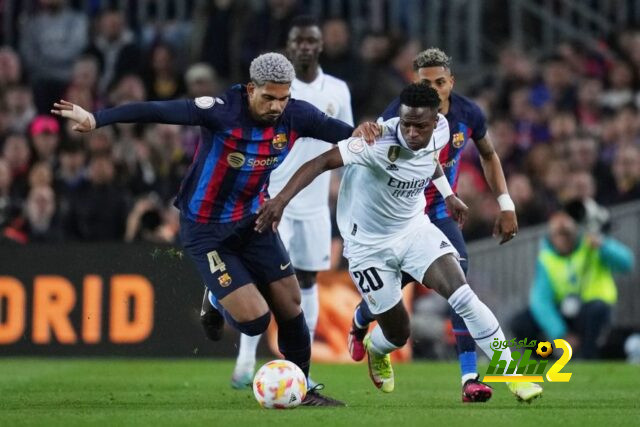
565,125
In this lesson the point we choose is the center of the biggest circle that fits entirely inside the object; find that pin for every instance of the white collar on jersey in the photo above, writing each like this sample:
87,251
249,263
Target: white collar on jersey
317,83
426,150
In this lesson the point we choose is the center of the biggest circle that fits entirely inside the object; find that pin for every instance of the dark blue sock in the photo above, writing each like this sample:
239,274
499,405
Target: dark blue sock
465,345
294,342
363,315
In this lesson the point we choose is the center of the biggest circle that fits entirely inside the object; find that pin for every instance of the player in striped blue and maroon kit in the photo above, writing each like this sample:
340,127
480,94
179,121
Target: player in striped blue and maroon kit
246,133
466,122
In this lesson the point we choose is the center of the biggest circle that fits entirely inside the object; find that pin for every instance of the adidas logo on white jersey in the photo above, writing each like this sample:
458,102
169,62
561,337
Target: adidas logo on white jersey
392,167
444,244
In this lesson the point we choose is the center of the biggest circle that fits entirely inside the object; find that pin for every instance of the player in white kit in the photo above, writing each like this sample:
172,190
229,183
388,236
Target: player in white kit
380,215
305,227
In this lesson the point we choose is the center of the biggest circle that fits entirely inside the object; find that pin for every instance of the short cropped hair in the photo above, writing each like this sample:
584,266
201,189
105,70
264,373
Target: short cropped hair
303,21
432,57
420,95
271,67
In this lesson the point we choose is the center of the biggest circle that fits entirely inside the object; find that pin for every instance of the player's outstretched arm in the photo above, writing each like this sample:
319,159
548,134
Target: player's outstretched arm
459,211
270,212
178,112
84,120
506,225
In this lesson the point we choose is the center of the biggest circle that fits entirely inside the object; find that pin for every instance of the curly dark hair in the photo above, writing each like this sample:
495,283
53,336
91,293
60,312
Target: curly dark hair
420,95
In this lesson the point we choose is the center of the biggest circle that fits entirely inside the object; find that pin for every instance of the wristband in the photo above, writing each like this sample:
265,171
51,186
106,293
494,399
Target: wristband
442,184
505,202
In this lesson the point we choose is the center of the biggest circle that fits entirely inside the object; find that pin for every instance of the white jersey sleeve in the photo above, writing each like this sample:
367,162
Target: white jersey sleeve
355,151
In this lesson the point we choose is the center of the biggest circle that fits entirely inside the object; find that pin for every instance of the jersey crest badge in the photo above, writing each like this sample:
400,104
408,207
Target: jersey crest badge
224,280
393,153
356,145
279,141
458,139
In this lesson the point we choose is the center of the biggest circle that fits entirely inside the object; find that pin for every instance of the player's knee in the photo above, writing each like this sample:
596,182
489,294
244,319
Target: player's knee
256,326
306,279
398,335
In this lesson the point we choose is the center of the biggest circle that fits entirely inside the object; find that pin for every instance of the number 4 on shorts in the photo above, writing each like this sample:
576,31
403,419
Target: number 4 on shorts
215,263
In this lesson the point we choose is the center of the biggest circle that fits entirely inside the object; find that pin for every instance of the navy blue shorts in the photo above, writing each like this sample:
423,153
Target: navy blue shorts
231,255
451,229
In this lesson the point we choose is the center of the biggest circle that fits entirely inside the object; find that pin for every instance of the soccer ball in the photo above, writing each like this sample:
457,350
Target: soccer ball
279,384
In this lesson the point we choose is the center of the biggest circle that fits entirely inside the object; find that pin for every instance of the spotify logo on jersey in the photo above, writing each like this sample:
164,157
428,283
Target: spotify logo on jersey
235,160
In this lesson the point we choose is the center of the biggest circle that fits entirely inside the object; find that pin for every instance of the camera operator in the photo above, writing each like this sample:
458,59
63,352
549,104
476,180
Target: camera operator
573,291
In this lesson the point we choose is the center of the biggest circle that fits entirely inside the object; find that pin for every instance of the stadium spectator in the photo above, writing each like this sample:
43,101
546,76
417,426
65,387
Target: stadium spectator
556,91
515,70
620,81
10,67
528,205
266,30
45,135
50,41
40,175
129,88
162,77
626,172
503,135
16,154
201,80
588,111
18,101
97,209
221,25
83,89
115,47
7,204
582,155
148,222
390,78
41,223
167,141
337,58
573,291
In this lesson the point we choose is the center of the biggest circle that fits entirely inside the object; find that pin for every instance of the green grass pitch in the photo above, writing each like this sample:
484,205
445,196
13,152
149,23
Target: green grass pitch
92,392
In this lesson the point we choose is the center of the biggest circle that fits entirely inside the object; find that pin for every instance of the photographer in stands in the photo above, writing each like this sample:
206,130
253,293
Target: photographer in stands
573,290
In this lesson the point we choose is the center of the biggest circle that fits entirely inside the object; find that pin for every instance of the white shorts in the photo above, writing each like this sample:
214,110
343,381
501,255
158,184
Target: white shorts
377,270
308,241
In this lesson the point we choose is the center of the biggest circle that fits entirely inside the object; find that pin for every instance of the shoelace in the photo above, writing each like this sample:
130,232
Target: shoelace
477,381
316,388
381,364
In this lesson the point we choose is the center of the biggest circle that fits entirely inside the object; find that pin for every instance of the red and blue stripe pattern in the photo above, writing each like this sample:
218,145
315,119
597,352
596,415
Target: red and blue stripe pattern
228,179
450,161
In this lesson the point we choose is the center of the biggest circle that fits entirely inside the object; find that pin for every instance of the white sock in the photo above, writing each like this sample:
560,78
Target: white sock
482,324
246,360
311,307
379,343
